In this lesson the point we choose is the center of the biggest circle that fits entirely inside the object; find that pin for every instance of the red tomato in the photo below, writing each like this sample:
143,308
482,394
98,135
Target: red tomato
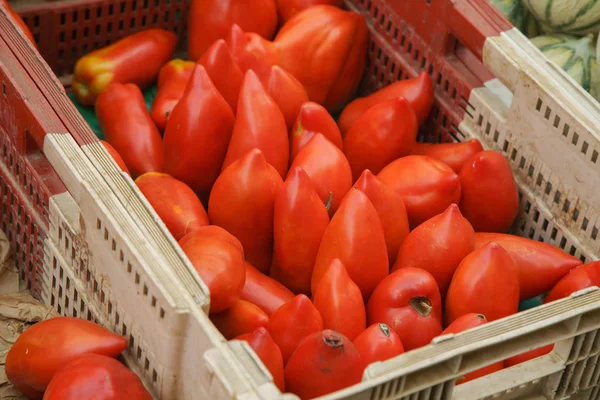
485,282
528,355
540,265
288,8
427,186
242,317
312,119
264,292
292,322
385,132
438,245
175,203
327,167
324,362
489,196
242,202
219,262
259,124
98,377
287,93
116,156
300,217
252,51
355,236
582,277
172,81
409,302
418,92
378,343
223,72
340,302
266,349
47,346
455,155
198,133
391,211
210,20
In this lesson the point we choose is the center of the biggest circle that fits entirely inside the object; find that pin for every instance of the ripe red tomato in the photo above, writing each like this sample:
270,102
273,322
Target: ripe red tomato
242,317
409,302
266,349
455,155
355,236
485,282
340,302
579,278
287,93
427,186
324,362
447,238
263,291
378,343
312,119
528,355
292,322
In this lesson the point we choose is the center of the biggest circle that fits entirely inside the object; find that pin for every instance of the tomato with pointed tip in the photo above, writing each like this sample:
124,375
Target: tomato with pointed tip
259,124
287,93
323,363
94,376
210,20
438,246
292,322
172,81
242,202
219,262
288,8
409,302
384,133
355,236
252,51
528,355
45,347
269,353
340,301
263,291
391,211
485,282
489,196
242,317
175,203
378,343
300,220
540,265
427,186
579,278
313,118
116,156
417,91
455,155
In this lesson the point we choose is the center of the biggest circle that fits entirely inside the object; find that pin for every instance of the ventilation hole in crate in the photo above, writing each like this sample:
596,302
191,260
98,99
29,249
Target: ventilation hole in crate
582,258
137,278
531,233
540,178
536,215
81,266
124,332
522,162
30,266
95,286
146,364
75,313
89,316
416,57
541,239
114,245
556,121
572,250
527,207
98,224
53,282
557,196
17,170
52,301
88,275
545,225
575,214
81,306
109,30
496,136
67,302
102,296
554,233
594,156
584,223
594,234
60,291
121,25
61,273
153,301
105,234
547,113
423,63
63,18
117,319
566,129
538,106
131,341
129,267
566,205
139,352
548,188
531,171
72,253
375,12
382,20
575,139
584,147
75,295
4,93
58,307
145,291
162,313
563,243
430,72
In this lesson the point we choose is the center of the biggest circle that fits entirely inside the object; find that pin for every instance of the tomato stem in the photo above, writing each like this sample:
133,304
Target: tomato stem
385,329
422,305
333,339
329,201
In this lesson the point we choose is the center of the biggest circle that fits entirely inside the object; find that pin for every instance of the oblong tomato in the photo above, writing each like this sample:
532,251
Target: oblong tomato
242,317
455,155
378,343
267,350
172,81
286,92
579,278
263,291
313,118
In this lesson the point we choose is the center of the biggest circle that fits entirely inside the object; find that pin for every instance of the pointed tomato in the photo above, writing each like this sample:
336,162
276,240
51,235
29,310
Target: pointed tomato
292,322
438,245
455,155
427,186
223,71
312,119
355,236
243,317
485,282
391,211
267,350
258,125
265,292
579,278
327,167
540,265
385,132
324,362
252,51
287,93
175,203
409,302
172,81
489,196
418,91
242,202
378,343
198,133
340,301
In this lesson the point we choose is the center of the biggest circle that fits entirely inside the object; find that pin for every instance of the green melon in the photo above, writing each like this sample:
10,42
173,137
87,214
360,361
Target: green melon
576,56
518,15
566,16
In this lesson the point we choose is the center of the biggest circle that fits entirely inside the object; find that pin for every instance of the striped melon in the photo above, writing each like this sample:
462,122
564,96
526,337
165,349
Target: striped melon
577,56
518,15
566,16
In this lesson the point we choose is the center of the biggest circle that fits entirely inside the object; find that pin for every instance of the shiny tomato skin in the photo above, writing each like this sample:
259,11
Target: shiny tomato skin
313,118
581,277
287,93
263,291
455,155
378,343
267,350
243,317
